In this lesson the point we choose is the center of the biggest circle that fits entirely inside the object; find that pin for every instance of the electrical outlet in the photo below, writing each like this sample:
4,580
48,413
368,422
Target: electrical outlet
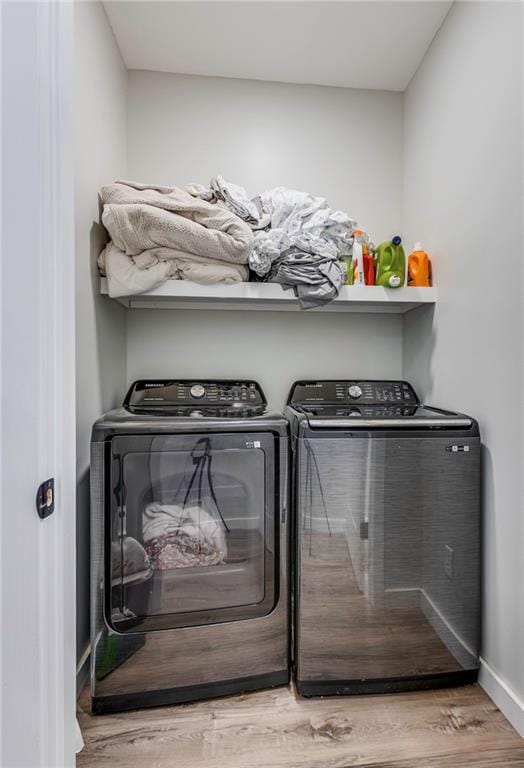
448,561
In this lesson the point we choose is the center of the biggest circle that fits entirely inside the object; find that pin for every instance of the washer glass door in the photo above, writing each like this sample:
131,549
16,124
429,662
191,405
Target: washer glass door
191,530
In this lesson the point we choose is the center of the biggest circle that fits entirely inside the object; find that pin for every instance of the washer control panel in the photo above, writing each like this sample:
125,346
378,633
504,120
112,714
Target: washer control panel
162,393
352,392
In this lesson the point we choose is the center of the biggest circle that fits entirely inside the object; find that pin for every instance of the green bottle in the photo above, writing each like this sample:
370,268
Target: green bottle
349,270
391,263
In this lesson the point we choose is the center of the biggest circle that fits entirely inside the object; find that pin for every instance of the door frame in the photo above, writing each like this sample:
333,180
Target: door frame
37,319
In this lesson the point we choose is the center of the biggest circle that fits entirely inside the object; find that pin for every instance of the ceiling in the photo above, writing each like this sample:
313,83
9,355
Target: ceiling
350,44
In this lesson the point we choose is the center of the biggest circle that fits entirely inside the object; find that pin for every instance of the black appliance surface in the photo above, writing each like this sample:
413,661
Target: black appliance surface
196,398
189,544
386,496
371,404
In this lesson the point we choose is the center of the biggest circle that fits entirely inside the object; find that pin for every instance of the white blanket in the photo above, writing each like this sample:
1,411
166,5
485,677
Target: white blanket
176,537
128,276
166,233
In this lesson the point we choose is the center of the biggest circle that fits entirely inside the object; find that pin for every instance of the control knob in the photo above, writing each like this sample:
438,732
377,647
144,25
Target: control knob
197,391
354,392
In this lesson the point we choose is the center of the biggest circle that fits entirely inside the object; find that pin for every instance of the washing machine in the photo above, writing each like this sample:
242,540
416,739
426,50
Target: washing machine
386,539
189,545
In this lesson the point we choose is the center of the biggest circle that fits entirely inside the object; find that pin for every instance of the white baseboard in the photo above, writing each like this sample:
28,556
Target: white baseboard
506,700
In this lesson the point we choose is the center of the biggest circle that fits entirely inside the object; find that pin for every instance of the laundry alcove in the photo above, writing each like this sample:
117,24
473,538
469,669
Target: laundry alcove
174,93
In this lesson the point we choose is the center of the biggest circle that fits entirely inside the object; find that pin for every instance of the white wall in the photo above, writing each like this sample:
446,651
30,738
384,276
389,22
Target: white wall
37,418
340,143
460,179
100,134
462,198
274,348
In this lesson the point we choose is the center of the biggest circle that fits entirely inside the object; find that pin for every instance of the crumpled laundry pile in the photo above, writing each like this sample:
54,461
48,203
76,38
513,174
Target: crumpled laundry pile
303,245
299,240
235,198
210,235
182,537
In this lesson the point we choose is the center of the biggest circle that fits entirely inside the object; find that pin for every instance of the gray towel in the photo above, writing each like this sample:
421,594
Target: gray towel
316,280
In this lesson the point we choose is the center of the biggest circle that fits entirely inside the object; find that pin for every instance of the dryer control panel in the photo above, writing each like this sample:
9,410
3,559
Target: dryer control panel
352,392
162,393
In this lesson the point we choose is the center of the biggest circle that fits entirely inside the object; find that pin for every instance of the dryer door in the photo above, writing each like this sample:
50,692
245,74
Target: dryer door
191,534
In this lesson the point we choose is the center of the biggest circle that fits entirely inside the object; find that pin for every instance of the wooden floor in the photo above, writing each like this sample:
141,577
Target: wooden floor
454,728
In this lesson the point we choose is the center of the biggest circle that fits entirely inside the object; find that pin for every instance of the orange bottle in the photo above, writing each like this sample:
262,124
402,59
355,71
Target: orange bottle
419,268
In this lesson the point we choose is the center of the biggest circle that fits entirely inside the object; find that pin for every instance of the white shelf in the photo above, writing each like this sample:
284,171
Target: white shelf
182,294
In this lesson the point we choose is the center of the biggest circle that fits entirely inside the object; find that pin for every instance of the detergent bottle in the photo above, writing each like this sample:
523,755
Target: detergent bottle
391,263
350,271
419,267
364,267
369,265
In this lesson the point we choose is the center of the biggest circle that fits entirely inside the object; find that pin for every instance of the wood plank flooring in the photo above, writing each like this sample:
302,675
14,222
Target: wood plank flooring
453,728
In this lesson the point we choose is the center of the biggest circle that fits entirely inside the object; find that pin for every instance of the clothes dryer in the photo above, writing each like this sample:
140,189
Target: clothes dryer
189,545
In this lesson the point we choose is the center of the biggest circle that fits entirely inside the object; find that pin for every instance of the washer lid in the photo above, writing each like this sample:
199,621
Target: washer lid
382,417
204,398
368,404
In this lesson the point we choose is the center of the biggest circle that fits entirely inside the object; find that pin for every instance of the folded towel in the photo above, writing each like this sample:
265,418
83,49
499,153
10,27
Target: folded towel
163,233
139,217
129,276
